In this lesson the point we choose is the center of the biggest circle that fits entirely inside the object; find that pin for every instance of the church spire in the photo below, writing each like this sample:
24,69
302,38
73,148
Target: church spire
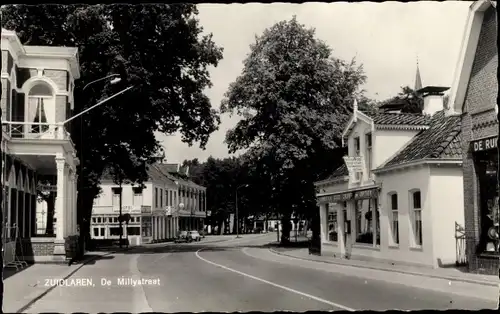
418,80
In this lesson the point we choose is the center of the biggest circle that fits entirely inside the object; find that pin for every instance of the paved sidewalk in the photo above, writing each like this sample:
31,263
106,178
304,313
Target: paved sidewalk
30,284
451,274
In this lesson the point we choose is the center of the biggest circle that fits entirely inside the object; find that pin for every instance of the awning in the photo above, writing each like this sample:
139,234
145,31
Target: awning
352,194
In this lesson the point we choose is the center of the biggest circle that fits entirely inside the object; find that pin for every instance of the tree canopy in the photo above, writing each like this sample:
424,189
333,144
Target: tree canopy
295,99
157,48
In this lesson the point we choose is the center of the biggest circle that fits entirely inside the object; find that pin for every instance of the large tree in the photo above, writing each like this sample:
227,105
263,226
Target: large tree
295,99
158,49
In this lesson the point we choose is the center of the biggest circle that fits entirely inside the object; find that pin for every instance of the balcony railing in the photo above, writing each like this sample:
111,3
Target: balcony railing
36,130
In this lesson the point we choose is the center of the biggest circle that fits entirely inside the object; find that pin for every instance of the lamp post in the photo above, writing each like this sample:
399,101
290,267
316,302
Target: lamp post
237,221
181,206
116,79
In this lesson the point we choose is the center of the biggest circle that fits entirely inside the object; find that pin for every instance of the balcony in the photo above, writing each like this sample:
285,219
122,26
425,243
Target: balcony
36,130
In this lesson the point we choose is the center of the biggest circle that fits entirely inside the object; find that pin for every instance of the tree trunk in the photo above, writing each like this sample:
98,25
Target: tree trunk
51,206
286,227
85,202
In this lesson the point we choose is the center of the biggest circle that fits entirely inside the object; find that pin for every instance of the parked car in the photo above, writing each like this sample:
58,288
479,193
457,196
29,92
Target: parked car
194,236
203,233
182,236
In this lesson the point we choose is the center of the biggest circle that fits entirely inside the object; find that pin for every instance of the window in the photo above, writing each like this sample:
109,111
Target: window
94,220
115,219
114,231
116,196
96,231
170,198
98,220
156,197
38,97
166,198
486,164
368,141
332,226
146,227
175,198
102,232
134,231
137,200
417,217
357,148
395,219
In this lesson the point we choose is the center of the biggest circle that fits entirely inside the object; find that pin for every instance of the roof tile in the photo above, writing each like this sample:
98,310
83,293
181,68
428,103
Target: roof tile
386,118
441,140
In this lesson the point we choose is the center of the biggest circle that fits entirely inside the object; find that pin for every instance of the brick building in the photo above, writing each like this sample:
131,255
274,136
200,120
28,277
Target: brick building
474,94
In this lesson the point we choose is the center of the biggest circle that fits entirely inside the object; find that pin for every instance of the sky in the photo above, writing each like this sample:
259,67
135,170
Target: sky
387,38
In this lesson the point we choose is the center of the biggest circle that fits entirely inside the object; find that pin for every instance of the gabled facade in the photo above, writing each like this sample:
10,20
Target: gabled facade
474,93
37,98
383,203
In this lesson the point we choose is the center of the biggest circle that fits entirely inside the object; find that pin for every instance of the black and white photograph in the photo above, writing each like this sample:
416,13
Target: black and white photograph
242,157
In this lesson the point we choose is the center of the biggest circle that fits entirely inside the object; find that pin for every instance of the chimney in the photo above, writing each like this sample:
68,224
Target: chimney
433,98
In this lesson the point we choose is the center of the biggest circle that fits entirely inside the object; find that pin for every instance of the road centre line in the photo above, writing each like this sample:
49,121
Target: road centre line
274,284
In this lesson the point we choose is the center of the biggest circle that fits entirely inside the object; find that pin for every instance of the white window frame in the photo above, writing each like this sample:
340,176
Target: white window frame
368,154
357,153
394,218
417,234
115,197
156,197
137,198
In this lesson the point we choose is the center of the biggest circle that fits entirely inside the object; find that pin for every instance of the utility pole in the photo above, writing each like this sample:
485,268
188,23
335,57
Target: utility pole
120,220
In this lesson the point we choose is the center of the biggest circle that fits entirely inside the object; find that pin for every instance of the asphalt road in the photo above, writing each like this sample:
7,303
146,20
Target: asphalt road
239,275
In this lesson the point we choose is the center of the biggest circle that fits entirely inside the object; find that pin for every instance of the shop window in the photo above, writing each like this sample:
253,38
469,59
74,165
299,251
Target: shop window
416,207
393,205
364,226
134,231
114,231
486,163
332,226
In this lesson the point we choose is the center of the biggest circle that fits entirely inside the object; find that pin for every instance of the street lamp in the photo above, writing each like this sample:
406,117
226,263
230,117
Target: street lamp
237,221
116,79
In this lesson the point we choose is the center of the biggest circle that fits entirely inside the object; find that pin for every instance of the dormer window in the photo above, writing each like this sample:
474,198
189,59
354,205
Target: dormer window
368,140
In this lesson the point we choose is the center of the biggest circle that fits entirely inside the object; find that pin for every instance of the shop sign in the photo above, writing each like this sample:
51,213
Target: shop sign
354,164
145,209
343,197
484,144
47,187
365,194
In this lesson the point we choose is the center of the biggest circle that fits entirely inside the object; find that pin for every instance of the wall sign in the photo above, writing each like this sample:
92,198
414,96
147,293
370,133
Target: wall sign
484,144
354,164
342,197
